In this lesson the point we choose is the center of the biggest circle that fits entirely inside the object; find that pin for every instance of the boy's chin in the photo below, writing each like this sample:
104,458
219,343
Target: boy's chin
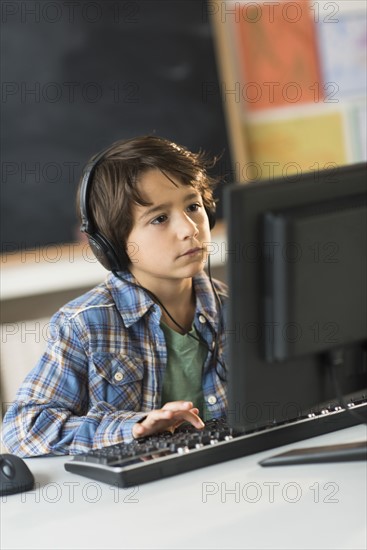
193,270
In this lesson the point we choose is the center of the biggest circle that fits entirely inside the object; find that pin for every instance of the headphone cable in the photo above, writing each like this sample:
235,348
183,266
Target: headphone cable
198,338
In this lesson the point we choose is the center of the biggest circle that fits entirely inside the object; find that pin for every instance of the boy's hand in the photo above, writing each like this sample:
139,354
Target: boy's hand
169,417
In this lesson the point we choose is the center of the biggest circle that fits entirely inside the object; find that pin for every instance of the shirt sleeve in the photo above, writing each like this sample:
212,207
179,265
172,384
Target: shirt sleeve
51,413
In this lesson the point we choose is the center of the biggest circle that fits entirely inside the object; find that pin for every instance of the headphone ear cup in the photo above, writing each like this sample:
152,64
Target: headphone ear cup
104,252
211,215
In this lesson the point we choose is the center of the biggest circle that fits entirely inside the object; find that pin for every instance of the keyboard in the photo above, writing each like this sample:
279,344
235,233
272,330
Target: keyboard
166,454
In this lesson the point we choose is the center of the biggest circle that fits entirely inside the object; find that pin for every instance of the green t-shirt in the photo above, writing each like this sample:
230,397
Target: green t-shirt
183,377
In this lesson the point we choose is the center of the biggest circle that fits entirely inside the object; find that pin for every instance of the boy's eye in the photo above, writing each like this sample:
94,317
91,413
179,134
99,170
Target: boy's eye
159,219
194,207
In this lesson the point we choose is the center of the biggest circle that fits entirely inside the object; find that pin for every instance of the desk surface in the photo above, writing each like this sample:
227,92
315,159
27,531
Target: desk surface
237,504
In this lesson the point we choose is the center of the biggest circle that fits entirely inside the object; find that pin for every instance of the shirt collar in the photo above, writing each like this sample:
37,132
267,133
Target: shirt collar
133,302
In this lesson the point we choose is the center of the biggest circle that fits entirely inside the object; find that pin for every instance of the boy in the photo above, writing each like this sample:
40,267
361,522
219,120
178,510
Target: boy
142,352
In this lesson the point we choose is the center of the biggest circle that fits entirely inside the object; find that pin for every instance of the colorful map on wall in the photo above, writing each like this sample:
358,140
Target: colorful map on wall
296,145
277,54
343,54
357,119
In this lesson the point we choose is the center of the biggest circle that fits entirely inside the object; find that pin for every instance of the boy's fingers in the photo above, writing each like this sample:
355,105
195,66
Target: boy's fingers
170,417
163,419
189,416
178,405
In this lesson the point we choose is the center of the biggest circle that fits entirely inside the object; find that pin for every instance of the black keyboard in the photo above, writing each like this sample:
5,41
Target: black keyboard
166,454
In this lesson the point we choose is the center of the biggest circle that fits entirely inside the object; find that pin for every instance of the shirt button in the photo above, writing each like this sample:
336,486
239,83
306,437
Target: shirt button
212,400
118,376
202,319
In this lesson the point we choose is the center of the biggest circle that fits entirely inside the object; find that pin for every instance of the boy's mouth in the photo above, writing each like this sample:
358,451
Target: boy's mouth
191,252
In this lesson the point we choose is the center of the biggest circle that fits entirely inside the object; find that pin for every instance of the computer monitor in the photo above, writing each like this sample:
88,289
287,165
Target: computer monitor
296,327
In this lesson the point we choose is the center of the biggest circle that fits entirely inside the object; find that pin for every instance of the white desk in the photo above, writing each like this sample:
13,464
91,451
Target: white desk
318,506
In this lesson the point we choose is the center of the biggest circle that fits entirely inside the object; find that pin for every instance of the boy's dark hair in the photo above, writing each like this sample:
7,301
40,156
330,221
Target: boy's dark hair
114,186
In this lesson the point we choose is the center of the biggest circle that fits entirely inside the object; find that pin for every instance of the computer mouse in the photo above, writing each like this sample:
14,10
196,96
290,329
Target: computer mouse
15,476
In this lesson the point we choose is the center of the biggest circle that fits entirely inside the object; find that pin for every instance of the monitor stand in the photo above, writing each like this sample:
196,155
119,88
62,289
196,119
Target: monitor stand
344,452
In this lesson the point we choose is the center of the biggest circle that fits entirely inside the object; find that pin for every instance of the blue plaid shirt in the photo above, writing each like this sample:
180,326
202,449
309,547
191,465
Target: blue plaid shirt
103,370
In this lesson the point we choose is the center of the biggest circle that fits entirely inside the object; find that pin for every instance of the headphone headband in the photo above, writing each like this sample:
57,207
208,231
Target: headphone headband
85,186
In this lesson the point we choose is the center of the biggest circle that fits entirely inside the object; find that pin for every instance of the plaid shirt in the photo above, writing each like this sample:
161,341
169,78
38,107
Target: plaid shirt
103,370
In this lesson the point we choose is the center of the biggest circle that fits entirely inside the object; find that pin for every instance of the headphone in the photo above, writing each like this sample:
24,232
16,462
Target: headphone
112,259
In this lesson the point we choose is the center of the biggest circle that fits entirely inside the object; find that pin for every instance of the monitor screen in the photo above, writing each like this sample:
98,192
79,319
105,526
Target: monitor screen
296,327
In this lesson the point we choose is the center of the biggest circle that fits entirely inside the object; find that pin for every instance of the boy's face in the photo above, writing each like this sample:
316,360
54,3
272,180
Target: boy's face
169,238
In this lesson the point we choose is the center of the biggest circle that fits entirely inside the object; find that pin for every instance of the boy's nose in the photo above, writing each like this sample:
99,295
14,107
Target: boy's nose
186,227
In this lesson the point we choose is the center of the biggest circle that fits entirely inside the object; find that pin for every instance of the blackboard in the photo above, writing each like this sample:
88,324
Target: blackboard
79,75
